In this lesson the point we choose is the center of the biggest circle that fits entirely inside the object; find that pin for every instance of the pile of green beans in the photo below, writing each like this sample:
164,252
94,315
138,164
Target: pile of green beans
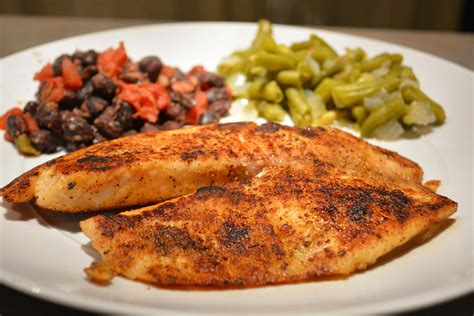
316,86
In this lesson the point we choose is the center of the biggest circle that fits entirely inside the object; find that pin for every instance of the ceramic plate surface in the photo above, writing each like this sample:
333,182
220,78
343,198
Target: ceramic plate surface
44,254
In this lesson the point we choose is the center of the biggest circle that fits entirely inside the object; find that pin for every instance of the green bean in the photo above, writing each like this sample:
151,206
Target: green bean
379,60
271,111
24,146
337,67
411,94
255,89
316,106
289,78
347,87
321,54
325,87
354,93
387,112
350,73
359,113
296,101
272,92
304,45
407,73
231,65
356,55
264,32
258,71
272,62
306,73
327,118
322,43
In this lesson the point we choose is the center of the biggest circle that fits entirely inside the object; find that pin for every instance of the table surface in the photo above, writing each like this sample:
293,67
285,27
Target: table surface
21,32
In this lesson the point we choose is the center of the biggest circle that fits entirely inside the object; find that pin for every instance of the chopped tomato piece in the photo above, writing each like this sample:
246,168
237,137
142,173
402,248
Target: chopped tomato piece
111,61
53,90
7,114
168,71
31,123
148,99
198,109
197,69
45,73
71,77
8,137
229,92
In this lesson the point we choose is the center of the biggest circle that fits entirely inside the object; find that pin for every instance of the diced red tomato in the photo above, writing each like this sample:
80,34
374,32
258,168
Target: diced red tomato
197,69
111,61
147,98
53,90
31,123
168,71
229,92
198,109
72,79
7,114
8,137
45,73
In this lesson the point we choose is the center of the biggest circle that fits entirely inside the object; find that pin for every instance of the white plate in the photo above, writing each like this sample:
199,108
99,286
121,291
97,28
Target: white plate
43,254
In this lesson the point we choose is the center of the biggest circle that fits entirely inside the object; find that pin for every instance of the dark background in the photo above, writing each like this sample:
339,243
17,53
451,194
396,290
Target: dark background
445,15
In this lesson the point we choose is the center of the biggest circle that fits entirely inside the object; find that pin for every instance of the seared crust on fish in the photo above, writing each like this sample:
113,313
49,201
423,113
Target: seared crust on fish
148,168
250,205
285,225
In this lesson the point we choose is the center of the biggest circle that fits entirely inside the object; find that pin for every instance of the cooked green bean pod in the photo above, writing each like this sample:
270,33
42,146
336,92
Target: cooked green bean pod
310,81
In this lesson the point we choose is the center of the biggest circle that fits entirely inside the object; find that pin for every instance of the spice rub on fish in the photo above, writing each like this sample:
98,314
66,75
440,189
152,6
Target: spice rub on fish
290,223
148,168
249,205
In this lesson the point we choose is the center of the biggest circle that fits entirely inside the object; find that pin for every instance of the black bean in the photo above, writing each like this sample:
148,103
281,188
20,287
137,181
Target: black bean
85,91
107,123
95,105
130,132
214,94
221,107
70,100
88,72
209,79
178,75
16,126
185,100
169,125
48,116
131,73
98,137
151,65
209,117
75,146
103,86
57,64
124,114
85,58
45,141
76,129
176,111
148,127
31,107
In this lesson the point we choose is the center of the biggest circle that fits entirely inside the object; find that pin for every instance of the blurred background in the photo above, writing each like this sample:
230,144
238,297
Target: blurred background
444,15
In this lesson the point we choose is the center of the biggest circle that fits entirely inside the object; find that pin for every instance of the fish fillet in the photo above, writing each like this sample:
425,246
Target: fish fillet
247,205
287,224
149,168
